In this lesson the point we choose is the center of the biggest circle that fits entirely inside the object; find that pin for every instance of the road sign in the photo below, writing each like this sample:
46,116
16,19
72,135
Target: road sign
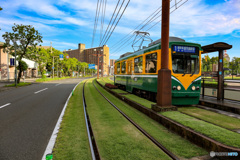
60,56
91,66
67,56
52,67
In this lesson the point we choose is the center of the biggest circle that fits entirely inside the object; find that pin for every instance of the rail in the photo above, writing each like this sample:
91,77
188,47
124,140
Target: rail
170,154
231,88
92,143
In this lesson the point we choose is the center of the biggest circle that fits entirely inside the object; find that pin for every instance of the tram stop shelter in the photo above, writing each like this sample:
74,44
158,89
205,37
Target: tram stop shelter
218,47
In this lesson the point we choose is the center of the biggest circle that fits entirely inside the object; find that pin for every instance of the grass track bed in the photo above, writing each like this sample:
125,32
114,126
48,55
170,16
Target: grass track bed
215,132
212,117
119,91
139,100
72,141
115,136
176,144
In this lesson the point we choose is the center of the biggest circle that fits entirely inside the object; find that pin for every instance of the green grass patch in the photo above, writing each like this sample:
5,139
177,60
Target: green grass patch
236,78
50,79
21,84
212,84
139,100
171,141
115,136
119,91
212,117
215,132
72,141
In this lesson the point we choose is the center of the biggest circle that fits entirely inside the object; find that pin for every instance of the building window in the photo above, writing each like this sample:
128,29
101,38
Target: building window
138,65
151,63
124,67
118,68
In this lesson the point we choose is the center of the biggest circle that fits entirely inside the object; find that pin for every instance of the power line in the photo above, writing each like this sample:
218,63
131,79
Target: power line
117,22
149,22
95,22
111,19
112,23
103,17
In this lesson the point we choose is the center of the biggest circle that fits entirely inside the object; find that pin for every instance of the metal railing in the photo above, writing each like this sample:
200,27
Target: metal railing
231,89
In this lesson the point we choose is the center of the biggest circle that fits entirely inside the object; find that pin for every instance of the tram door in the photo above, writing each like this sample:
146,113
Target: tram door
128,77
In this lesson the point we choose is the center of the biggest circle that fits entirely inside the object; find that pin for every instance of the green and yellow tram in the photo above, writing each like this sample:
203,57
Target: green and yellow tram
138,72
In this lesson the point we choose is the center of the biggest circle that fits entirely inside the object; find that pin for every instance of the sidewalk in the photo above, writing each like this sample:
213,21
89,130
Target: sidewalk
6,82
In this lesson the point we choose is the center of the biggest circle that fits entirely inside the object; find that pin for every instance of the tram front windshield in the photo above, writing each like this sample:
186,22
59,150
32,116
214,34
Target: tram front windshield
185,63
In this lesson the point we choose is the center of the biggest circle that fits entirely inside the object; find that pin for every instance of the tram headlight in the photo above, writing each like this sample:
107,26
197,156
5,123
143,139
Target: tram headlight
197,88
193,88
178,88
174,87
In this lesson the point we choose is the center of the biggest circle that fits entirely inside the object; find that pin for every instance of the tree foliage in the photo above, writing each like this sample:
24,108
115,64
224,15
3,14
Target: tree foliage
25,39
23,65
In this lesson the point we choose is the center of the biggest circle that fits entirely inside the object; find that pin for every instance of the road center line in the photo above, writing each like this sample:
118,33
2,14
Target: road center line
41,90
57,84
5,105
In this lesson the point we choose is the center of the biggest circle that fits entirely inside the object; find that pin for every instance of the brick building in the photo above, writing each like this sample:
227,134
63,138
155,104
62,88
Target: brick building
87,55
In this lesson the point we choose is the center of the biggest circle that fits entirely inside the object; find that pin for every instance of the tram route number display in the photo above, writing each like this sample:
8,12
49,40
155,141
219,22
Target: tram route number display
184,49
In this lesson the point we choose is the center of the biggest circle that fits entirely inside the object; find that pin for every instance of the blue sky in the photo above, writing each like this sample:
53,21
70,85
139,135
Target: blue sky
66,23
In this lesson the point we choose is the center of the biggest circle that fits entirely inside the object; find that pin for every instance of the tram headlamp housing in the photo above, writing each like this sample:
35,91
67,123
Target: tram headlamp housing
178,88
193,88
197,88
174,87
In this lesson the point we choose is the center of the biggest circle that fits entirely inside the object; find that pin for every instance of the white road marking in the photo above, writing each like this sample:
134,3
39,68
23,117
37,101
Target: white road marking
41,90
57,84
5,105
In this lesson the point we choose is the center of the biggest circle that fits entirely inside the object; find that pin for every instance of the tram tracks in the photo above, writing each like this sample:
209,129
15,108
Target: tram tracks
159,145
92,143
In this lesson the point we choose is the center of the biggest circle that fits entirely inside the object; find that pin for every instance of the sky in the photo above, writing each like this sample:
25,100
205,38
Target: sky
66,23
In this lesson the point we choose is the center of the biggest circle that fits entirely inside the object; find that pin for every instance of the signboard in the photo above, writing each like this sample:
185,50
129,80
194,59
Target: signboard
91,66
52,67
67,56
60,56
184,49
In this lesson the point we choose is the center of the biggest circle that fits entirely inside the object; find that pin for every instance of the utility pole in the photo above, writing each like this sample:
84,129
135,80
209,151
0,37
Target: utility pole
164,93
53,62
98,56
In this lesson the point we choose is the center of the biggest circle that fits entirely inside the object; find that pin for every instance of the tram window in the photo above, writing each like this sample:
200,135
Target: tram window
124,67
185,63
151,63
118,68
138,64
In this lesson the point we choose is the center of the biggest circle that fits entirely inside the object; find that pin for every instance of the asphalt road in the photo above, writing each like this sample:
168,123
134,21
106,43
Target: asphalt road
28,116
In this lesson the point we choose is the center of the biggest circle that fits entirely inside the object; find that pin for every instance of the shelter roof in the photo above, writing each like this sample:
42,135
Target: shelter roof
216,47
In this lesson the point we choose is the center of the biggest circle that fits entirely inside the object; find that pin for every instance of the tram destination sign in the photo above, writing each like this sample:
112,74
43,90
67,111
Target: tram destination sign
184,49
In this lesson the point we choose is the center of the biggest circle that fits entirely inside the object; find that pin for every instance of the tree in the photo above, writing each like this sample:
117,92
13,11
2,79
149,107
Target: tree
28,38
206,63
41,56
0,8
214,60
22,65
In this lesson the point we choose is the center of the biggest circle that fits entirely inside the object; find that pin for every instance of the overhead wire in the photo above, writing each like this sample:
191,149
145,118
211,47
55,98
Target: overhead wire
116,23
110,20
103,40
149,22
94,28
103,17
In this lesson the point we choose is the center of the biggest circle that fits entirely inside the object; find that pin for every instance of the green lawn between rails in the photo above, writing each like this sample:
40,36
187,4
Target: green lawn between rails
212,117
176,144
215,132
115,136
72,141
